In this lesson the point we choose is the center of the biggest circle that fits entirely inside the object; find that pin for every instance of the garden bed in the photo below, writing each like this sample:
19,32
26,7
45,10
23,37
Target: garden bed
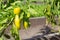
37,24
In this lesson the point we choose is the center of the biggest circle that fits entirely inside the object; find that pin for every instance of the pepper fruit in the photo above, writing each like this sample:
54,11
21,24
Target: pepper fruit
28,15
17,10
25,24
17,21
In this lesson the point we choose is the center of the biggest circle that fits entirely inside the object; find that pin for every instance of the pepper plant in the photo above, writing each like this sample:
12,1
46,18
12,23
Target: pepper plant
51,11
12,14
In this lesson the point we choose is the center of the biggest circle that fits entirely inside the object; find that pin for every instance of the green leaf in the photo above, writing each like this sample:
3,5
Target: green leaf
3,21
21,16
32,11
1,38
11,7
16,2
15,32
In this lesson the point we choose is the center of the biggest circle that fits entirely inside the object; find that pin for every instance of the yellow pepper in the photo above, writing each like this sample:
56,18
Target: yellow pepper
17,10
17,21
28,15
25,24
